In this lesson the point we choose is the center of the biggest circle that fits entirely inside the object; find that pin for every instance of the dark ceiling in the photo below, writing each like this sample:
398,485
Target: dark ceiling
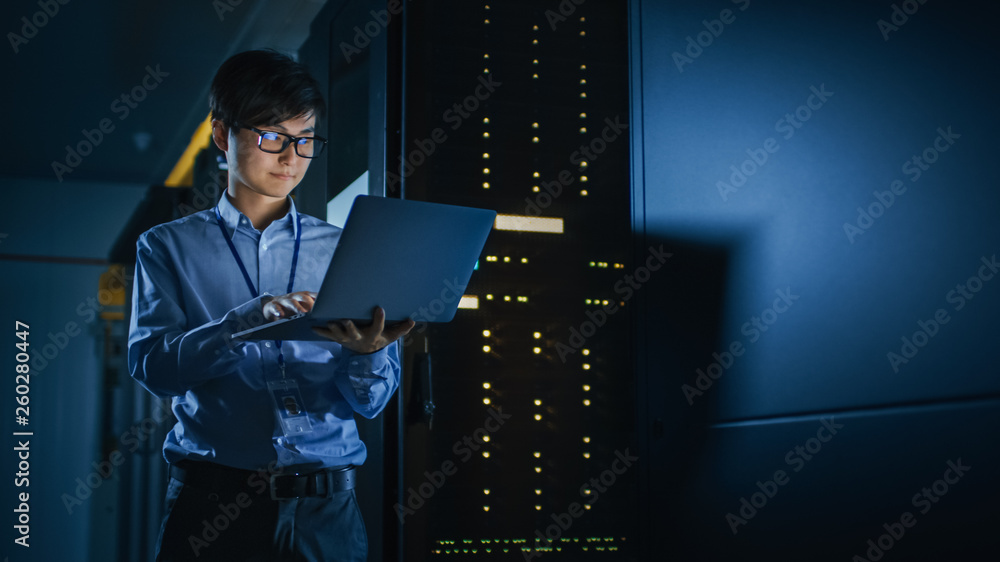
65,75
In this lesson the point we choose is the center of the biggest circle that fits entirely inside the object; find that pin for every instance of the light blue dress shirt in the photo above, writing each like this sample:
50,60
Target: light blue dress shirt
189,297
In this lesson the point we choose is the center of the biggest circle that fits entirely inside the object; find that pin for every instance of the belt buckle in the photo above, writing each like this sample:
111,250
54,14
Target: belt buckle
298,485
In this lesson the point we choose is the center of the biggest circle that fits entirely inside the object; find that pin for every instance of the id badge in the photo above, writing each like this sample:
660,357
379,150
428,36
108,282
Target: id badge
289,407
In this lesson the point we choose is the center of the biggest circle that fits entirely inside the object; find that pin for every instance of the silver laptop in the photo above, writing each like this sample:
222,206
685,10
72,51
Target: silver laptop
412,258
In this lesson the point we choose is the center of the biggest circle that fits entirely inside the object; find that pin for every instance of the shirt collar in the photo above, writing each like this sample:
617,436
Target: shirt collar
232,216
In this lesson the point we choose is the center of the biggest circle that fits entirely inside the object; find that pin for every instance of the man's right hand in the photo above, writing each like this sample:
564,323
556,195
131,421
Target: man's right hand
288,305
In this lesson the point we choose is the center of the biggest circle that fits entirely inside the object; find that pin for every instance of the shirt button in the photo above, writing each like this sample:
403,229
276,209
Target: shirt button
263,246
267,344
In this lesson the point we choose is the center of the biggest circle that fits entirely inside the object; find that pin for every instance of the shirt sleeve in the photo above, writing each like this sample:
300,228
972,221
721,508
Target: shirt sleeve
166,357
367,381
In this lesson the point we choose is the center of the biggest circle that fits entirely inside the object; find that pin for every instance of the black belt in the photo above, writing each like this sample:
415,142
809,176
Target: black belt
211,476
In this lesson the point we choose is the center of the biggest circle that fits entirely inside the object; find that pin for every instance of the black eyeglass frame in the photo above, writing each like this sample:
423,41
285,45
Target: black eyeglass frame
289,139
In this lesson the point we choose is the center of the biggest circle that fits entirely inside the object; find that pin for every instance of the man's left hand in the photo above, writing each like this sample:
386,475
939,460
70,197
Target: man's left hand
367,339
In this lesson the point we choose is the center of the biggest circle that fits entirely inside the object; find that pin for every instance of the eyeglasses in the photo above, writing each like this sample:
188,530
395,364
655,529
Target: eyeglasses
275,143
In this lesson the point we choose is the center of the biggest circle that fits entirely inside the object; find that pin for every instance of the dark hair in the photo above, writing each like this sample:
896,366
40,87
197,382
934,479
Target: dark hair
263,87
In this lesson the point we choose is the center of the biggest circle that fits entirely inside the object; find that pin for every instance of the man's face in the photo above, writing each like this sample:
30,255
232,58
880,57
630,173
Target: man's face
264,173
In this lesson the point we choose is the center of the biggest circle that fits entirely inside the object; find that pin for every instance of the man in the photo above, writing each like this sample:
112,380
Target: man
262,456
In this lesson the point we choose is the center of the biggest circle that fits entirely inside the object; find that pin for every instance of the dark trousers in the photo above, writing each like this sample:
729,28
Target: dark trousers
243,523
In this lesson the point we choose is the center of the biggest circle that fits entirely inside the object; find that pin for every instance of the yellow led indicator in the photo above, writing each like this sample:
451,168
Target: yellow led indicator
487,508
486,120
486,171
486,349
486,333
535,188
586,388
583,192
586,366
486,385
538,469
586,439
537,455
538,402
535,174
586,455
524,260
538,507
534,125
486,156
586,402
486,491
486,135
536,350
537,335
585,351
583,94
506,259
486,401
538,417
534,139
486,454
538,492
